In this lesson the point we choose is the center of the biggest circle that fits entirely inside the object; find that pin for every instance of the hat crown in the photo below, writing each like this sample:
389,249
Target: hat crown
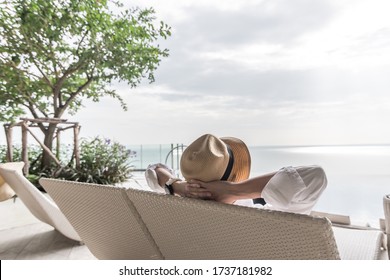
206,159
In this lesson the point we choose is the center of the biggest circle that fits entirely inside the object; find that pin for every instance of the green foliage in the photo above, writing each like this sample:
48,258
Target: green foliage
102,161
54,54
34,154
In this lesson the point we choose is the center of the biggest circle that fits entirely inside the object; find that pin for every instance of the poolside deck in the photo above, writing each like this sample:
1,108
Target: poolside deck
23,237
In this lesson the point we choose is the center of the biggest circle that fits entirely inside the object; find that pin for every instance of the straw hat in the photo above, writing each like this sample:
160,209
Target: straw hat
210,158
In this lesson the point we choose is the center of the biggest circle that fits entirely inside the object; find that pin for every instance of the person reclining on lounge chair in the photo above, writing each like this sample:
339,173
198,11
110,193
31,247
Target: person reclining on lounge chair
218,169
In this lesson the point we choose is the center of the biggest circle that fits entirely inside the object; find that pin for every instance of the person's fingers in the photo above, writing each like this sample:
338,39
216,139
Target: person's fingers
199,195
197,189
196,182
193,185
194,188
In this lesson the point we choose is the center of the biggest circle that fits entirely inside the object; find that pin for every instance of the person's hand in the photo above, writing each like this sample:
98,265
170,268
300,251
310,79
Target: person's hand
180,188
183,188
222,191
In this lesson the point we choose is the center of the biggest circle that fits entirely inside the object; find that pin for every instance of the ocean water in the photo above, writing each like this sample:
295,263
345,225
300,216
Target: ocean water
358,176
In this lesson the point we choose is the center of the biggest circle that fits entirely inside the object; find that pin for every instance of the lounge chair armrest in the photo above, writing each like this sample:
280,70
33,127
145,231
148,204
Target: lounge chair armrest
336,219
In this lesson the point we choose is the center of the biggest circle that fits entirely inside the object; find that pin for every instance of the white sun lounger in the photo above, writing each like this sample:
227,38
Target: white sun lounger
38,204
124,223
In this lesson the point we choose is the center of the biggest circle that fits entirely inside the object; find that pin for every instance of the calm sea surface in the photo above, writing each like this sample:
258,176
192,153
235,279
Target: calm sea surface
358,176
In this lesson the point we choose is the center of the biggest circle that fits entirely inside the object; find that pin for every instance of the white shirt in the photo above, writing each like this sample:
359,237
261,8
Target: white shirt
292,189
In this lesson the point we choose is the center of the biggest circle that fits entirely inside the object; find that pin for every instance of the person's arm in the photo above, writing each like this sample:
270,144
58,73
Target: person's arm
291,189
229,192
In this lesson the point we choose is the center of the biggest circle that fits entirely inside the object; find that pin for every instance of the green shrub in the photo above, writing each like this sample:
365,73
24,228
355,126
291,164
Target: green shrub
34,156
102,161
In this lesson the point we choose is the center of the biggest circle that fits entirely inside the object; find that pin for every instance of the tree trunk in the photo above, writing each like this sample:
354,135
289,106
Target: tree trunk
48,142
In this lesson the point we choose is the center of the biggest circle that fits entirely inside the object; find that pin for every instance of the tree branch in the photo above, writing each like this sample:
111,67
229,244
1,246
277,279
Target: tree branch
81,41
36,64
34,113
57,88
13,66
73,96
32,107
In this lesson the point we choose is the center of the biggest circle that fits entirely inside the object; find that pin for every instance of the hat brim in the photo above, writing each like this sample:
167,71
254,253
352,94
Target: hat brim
242,159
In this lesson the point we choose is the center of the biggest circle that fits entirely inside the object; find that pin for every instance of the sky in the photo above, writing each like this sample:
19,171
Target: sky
270,72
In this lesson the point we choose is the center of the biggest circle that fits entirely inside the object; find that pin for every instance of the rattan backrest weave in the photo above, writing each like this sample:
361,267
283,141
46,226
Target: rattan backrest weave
194,229
105,219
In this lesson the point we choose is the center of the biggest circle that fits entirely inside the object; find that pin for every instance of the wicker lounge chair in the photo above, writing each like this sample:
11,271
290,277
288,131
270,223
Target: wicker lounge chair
105,219
38,204
123,223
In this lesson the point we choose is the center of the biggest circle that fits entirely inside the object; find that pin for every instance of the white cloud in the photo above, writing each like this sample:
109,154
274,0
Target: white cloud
270,72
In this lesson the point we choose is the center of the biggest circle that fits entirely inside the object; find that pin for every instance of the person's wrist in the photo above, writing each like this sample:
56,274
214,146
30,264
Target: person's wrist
178,188
169,184
235,191
238,191
241,190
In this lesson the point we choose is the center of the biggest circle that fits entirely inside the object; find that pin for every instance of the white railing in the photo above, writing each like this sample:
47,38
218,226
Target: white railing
143,155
